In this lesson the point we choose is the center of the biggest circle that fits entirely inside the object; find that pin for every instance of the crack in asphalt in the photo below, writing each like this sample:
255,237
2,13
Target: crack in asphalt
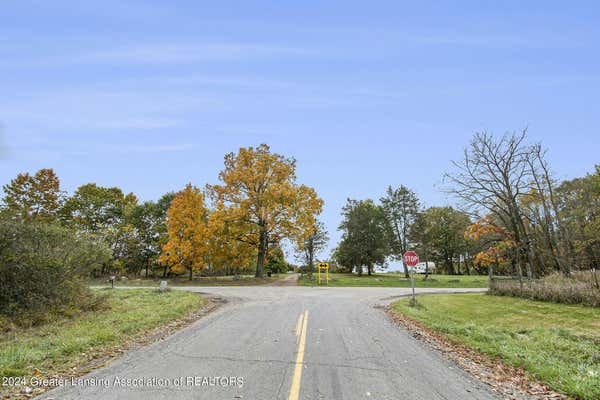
282,382
263,361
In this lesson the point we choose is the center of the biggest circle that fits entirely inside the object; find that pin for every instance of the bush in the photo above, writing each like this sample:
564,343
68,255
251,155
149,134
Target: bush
41,270
579,289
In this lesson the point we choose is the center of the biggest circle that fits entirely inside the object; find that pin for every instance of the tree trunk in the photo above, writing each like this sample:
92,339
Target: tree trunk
404,250
311,256
262,249
449,264
191,272
405,269
519,270
562,236
369,268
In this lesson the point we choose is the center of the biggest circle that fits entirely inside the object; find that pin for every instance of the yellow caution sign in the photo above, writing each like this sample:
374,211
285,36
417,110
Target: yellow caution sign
323,266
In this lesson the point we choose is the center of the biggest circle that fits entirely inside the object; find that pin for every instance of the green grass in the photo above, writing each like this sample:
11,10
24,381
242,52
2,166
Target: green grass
228,280
56,347
556,343
398,280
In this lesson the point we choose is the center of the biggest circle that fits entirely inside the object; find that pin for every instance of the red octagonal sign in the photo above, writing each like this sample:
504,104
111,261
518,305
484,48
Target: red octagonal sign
410,258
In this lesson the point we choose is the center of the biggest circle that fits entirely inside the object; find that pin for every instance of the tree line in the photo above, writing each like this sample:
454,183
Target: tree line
375,233
232,227
513,217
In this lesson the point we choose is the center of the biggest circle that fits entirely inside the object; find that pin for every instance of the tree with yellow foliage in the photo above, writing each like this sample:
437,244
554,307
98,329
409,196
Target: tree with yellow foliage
261,201
227,254
187,245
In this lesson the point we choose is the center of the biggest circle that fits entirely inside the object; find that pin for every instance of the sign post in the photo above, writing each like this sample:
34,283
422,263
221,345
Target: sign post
411,259
323,266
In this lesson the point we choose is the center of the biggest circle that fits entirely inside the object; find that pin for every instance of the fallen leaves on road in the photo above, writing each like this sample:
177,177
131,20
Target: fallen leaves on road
510,382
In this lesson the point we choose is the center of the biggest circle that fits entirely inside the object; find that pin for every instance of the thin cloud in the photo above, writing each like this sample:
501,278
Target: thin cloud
139,123
89,149
176,53
529,40
154,148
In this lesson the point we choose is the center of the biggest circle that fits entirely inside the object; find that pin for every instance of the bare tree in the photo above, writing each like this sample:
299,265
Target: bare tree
554,234
491,177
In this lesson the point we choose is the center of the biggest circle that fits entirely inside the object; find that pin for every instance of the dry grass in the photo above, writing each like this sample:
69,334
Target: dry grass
581,288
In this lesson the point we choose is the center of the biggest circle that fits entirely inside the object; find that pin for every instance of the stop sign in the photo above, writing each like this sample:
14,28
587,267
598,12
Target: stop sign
410,258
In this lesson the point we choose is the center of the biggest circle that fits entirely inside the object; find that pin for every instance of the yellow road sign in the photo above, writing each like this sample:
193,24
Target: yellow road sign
325,267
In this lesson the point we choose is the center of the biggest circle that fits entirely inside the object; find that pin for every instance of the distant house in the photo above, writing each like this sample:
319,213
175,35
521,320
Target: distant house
420,267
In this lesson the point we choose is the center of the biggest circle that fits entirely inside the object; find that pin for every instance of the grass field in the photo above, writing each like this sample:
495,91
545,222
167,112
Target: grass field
229,280
55,348
398,280
556,343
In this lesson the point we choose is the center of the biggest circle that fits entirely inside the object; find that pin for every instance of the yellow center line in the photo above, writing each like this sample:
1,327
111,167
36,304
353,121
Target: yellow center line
298,327
295,388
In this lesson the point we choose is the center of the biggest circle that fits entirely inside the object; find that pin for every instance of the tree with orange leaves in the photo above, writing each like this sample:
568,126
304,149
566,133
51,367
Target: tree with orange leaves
495,239
187,245
261,201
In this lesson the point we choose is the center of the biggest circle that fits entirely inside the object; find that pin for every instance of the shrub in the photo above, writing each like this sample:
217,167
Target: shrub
579,289
41,269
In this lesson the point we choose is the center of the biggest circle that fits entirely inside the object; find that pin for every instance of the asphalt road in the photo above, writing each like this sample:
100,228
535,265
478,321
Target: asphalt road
286,343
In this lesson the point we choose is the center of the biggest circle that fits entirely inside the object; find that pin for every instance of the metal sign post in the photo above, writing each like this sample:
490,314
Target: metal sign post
325,267
411,259
412,279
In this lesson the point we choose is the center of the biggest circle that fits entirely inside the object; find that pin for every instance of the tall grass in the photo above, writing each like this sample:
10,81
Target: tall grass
581,288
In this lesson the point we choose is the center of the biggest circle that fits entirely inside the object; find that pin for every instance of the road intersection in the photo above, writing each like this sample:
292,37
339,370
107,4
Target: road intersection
289,343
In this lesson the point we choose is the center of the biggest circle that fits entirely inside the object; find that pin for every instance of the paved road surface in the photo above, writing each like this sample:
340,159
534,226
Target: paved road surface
289,343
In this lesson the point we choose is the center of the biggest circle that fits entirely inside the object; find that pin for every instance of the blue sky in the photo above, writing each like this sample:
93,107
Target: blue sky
150,95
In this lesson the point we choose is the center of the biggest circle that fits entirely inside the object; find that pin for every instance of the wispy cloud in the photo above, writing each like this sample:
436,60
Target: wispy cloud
153,148
86,149
92,110
169,53
175,53
479,39
138,123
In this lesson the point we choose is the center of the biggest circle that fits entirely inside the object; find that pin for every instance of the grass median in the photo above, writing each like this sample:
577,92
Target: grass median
69,346
556,343
399,280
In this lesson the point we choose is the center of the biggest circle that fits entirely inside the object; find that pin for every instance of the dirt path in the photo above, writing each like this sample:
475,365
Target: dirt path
289,280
